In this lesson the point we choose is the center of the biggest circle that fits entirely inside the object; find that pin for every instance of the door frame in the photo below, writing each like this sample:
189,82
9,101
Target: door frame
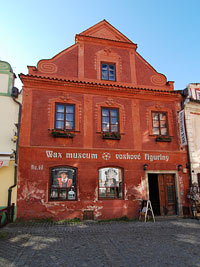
177,188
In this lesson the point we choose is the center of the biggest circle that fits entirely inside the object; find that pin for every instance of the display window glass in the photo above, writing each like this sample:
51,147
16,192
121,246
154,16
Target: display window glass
110,183
63,183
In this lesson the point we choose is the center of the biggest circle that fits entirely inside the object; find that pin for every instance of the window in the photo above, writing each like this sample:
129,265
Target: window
110,183
110,120
198,94
63,183
108,72
170,193
64,117
159,123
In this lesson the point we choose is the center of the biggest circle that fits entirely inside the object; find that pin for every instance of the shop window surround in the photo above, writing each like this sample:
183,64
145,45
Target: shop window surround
110,183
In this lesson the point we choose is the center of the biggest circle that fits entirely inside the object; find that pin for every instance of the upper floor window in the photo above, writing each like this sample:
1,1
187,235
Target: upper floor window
198,94
110,183
64,116
108,72
63,183
110,120
159,123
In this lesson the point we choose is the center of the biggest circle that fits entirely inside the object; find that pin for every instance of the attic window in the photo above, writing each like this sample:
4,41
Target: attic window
108,72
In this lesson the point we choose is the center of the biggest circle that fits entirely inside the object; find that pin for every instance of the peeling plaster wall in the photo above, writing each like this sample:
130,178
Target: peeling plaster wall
33,187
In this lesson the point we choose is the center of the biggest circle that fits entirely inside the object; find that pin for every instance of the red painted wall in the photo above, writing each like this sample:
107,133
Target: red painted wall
88,94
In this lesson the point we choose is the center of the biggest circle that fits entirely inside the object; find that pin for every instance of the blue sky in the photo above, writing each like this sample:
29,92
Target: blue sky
167,32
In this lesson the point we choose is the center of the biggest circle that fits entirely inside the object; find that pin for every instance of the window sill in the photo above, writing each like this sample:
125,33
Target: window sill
164,139
108,80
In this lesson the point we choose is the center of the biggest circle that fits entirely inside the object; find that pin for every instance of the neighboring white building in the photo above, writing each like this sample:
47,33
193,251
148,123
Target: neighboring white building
9,111
192,121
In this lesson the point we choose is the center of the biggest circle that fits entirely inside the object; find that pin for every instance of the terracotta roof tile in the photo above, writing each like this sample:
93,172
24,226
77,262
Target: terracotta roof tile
99,84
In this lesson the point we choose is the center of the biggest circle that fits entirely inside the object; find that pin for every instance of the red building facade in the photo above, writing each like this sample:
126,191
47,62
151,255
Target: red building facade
99,132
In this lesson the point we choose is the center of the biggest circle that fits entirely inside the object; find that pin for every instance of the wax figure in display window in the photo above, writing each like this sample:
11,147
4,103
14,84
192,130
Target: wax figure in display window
63,180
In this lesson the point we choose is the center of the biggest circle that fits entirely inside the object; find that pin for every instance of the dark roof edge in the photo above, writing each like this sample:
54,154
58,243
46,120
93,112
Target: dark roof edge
100,84
194,100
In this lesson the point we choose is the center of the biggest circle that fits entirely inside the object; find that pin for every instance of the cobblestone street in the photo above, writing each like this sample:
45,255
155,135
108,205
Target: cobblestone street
163,243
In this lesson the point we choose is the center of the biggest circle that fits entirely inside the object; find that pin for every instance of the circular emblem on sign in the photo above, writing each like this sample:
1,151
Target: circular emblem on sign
106,156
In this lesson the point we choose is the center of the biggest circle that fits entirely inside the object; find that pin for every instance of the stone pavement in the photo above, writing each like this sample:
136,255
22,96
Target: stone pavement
163,243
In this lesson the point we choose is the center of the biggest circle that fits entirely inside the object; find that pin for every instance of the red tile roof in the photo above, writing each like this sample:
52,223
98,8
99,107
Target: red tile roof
111,86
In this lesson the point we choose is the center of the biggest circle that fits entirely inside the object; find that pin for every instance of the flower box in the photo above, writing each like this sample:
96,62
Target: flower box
63,134
112,136
163,139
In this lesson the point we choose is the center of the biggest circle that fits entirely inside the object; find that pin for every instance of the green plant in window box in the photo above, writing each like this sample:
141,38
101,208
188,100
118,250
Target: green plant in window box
60,133
163,139
111,135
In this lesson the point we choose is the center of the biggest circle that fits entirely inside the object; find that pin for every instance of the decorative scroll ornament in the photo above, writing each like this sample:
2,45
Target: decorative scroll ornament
109,102
47,67
158,79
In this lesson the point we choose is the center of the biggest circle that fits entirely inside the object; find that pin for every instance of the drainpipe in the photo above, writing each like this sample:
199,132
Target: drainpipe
14,95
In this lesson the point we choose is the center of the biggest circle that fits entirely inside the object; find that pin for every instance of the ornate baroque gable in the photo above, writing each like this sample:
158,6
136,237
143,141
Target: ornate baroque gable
105,30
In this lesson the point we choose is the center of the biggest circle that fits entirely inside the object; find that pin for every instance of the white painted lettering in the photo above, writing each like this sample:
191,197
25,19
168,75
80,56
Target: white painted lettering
49,154
128,156
37,168
68,155
32,167
55,155
152,158
93,156
60,155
